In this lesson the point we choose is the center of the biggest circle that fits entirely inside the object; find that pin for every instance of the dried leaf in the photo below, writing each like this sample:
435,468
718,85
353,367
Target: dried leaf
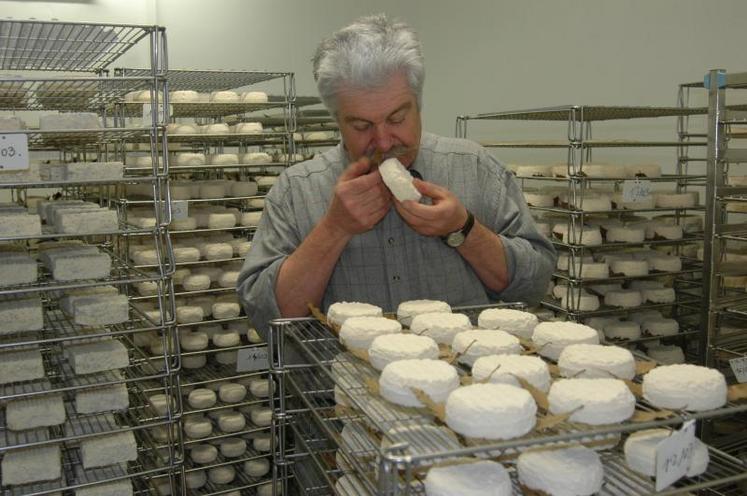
550,421
737,392
317,314
444,351
643,367
641,416
539,396
466,380
360,353
437,409
635,388
372,385
554,369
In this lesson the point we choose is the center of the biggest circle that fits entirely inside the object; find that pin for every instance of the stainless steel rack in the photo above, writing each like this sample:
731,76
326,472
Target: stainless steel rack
579,142
309,363
47,53
726,155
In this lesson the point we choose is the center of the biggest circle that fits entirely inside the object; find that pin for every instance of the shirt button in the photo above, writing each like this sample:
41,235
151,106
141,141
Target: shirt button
390,241
395,278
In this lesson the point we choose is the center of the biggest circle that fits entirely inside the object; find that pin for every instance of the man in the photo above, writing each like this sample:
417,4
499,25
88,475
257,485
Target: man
331,231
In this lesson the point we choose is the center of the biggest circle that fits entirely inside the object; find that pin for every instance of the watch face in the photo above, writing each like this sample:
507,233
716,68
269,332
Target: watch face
455,239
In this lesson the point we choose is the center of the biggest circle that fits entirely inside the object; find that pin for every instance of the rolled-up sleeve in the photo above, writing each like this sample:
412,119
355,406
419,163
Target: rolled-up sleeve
275,239
530,256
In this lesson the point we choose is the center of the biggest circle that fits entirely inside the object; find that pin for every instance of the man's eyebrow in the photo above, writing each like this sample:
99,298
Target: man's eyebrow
404,106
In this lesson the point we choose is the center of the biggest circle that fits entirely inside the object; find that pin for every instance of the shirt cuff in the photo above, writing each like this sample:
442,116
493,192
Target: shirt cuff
525,284
258,297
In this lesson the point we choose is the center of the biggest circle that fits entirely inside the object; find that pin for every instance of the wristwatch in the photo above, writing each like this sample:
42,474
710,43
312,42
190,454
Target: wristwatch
456,238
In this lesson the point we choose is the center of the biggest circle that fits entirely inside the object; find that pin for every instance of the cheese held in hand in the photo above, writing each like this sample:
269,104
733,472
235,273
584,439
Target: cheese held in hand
398,180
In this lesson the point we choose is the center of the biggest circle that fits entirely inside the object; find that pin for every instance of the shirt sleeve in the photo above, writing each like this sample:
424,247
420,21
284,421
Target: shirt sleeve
275,239
530,256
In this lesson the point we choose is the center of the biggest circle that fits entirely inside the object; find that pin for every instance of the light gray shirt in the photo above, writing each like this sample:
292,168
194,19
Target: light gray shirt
392,263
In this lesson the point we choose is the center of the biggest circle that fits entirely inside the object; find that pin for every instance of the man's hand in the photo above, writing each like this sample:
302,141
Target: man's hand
446,214
360,200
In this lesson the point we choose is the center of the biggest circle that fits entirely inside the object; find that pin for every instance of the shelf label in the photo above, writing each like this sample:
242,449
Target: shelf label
739,367
673,455
179,209
251,359
14,151
636,190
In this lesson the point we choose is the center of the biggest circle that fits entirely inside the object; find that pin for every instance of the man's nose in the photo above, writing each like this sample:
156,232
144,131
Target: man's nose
382,138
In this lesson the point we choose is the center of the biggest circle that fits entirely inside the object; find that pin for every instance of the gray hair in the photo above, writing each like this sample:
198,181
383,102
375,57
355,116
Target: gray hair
365,54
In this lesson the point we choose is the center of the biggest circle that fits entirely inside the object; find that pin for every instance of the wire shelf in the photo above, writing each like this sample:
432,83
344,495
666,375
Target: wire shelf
231,138
588,113
207,80
39,140
683,178
605,311
591,143
84,183
690,268
65,46
66,94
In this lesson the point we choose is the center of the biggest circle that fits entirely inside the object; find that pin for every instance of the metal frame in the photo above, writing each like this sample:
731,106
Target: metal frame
309,363
48,52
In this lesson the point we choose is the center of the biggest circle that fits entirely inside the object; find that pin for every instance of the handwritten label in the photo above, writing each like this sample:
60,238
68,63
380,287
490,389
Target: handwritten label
14,152
179,209
636,191
739,367
673,455
250,359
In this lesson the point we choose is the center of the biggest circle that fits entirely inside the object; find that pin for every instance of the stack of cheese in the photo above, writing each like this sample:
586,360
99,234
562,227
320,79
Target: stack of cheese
78,217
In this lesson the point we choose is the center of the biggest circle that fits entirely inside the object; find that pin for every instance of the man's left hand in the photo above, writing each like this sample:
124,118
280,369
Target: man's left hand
445,215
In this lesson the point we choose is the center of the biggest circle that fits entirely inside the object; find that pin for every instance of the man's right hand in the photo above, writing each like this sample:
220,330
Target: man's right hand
360,200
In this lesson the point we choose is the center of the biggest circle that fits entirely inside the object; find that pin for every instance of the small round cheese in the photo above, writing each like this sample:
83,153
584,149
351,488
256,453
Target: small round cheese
491,411
538,199
223,310
407,310
231,421
626,298
196,282
195,479
626,234
177,128
193,340
595,401
471,345
585,236
643,170
622,330
194,362
261,417
185,224
685,387
668,232
186,254
630,268
222,475
665,263
203,453
337,313
658,295
229,279
666,355
260,387
232,392
257,468
224,96
660,327
676,200
262,443
596,361
226,339
255,157
357,333
226,357
434,377
441,326
504,369
232,447
551,338
189,314
570,471
389,348
254,97
182,96
640,452
197,427
483,478
515,322
534,171
159,402
201,398
189,159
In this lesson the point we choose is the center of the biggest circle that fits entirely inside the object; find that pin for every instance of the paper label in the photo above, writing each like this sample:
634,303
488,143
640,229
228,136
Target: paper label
14,152
179,209
636,190
739,367
251,359
673,455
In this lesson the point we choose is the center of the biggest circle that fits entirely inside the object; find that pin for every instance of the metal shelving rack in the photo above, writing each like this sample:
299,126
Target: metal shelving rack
726,306
312,369
278,134
65,69
579,145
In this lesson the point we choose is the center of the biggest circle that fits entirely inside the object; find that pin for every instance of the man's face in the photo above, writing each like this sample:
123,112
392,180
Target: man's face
378,119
